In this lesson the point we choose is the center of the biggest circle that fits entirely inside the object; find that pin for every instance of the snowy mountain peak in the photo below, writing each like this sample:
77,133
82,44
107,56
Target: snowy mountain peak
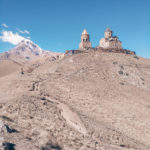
28,43
27,50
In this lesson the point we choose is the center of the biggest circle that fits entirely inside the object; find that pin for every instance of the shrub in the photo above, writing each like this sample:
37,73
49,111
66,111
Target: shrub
9,146
10,130
6,118
136,57
115,62
120,72
121,67
121,83
50,146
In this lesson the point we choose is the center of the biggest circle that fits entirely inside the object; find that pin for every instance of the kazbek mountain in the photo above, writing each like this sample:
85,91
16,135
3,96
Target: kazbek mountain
27,51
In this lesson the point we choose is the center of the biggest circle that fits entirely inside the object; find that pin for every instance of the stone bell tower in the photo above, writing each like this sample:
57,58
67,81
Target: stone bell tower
85,40
108,33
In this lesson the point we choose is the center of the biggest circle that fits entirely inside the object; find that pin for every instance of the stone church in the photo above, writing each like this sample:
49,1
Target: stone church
109,44
85,40
110,41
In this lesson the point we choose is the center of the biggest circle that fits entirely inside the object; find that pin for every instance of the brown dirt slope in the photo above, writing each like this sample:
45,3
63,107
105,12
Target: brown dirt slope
7,67
88,101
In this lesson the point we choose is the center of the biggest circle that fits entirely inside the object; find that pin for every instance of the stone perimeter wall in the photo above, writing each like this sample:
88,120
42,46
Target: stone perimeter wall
109,50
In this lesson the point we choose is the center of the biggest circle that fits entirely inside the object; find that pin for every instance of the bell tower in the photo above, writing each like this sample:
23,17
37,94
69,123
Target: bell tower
108,33
85,40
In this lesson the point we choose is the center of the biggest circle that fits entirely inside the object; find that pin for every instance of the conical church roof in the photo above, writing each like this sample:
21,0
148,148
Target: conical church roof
84,32
108,30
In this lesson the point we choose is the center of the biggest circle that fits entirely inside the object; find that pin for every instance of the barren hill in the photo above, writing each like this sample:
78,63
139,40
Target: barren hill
7,67
87,101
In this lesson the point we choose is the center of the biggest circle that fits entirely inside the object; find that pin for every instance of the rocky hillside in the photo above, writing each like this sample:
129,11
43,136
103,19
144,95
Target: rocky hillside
87,101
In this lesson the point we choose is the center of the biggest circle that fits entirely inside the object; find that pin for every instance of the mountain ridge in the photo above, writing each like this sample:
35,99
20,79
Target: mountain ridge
27,51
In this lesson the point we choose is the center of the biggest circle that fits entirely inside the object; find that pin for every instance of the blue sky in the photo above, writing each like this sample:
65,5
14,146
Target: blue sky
56,25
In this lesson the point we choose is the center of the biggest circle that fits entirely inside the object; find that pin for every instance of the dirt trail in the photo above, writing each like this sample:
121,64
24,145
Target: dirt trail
71,117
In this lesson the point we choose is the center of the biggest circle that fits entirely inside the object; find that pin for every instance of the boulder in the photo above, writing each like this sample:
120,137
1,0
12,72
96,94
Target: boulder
3,128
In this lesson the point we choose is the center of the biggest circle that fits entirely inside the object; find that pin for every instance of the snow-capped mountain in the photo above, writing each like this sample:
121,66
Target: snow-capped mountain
27,51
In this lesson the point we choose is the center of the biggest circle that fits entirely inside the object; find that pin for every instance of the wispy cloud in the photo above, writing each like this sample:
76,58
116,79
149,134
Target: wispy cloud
10,37
5,25
23,31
